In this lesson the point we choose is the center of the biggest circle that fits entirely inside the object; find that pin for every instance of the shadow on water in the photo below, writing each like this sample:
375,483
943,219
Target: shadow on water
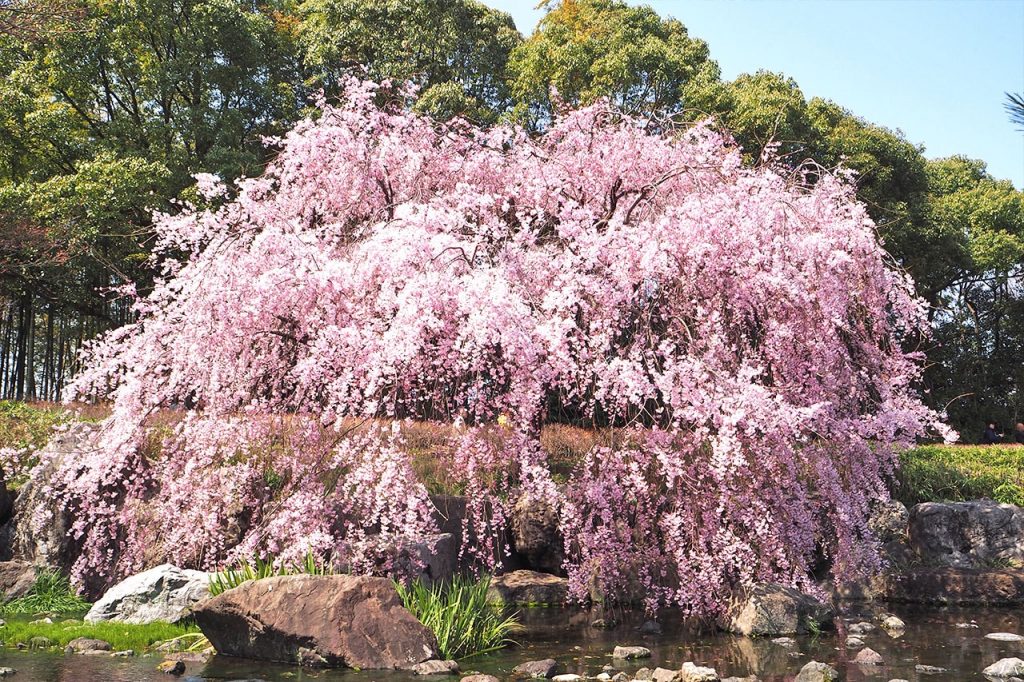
935,637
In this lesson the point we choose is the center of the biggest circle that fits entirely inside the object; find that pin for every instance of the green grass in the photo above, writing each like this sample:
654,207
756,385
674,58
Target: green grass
460,617
51,593
933,473
260,568
120,635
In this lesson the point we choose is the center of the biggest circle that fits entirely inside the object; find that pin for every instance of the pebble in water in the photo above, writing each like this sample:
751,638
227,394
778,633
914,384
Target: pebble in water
1004,637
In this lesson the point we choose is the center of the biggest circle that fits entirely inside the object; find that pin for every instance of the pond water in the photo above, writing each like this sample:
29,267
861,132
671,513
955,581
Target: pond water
952,638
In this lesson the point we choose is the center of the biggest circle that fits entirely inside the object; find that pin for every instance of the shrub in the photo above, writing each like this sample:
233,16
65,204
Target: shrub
931,473
459,615
51,593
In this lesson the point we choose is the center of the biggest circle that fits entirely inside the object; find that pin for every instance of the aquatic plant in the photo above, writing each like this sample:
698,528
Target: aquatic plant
257,569
743,327
458,614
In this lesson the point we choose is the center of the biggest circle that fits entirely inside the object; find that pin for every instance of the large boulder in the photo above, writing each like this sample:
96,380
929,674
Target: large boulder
165,593
16,579
338,620
49,543
975,534
528,587
536,535
962,586
772,609
430,558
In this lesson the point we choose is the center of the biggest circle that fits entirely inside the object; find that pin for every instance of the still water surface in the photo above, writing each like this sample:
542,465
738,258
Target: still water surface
934,637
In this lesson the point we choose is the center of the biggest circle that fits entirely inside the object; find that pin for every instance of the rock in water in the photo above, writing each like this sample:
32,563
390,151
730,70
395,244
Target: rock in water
338,620
436,667
867,656
630,652
817,672
1004,637
771,609
1005,667
84,644
545,668
165,593
528,587
692,672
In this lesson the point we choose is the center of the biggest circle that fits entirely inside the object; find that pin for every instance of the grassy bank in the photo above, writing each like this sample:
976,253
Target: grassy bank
961,472
121,636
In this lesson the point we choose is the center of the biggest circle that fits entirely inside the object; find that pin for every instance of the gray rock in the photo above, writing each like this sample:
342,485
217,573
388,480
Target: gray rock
691,672
536,535
817,672
479,678
784,641
867,656
545,668
854,642
127,653
528,587
860,629
604,677
433,558
664,675
973,534
630,652
165,593
436,667
567,677
650,627
1005,667
1004,637
889,520
172,667
620,677
892,624
7,672
771,609
81,645
16,579
643,674
929,669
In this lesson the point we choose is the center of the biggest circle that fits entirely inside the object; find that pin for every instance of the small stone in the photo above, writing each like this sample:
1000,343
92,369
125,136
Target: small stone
620,677
867,656
899,680
631,652
967,625
817,672
7,672
691,672
127,653
607,668
42,621
644,675
893,624
436,667
567,677
40,643
861,628
664,675
545,668
784,641
604,677
83,645
479,678
929,669
172,667
650,627
854,642
1005,667
1004,637
604,623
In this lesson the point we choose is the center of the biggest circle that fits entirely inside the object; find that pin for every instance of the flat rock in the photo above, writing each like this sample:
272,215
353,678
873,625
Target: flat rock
81,645
164,593
772,609
643,674
664,675
479,678
1005,667
631,652
929,669
338,620
784,641
545,668
691,672
868,656
528,587
436,667
567,677
816,671
962,586
1004,637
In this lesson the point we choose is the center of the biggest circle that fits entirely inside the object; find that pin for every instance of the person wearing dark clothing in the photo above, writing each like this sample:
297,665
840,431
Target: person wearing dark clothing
990,437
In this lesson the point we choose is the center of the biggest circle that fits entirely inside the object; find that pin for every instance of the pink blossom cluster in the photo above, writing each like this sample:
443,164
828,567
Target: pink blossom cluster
747,330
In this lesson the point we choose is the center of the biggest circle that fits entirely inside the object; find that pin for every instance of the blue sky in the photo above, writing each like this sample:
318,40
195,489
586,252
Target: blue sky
935,69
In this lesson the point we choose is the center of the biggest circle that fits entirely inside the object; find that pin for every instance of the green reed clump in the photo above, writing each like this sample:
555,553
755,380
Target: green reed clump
459,615
51,593
266,568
